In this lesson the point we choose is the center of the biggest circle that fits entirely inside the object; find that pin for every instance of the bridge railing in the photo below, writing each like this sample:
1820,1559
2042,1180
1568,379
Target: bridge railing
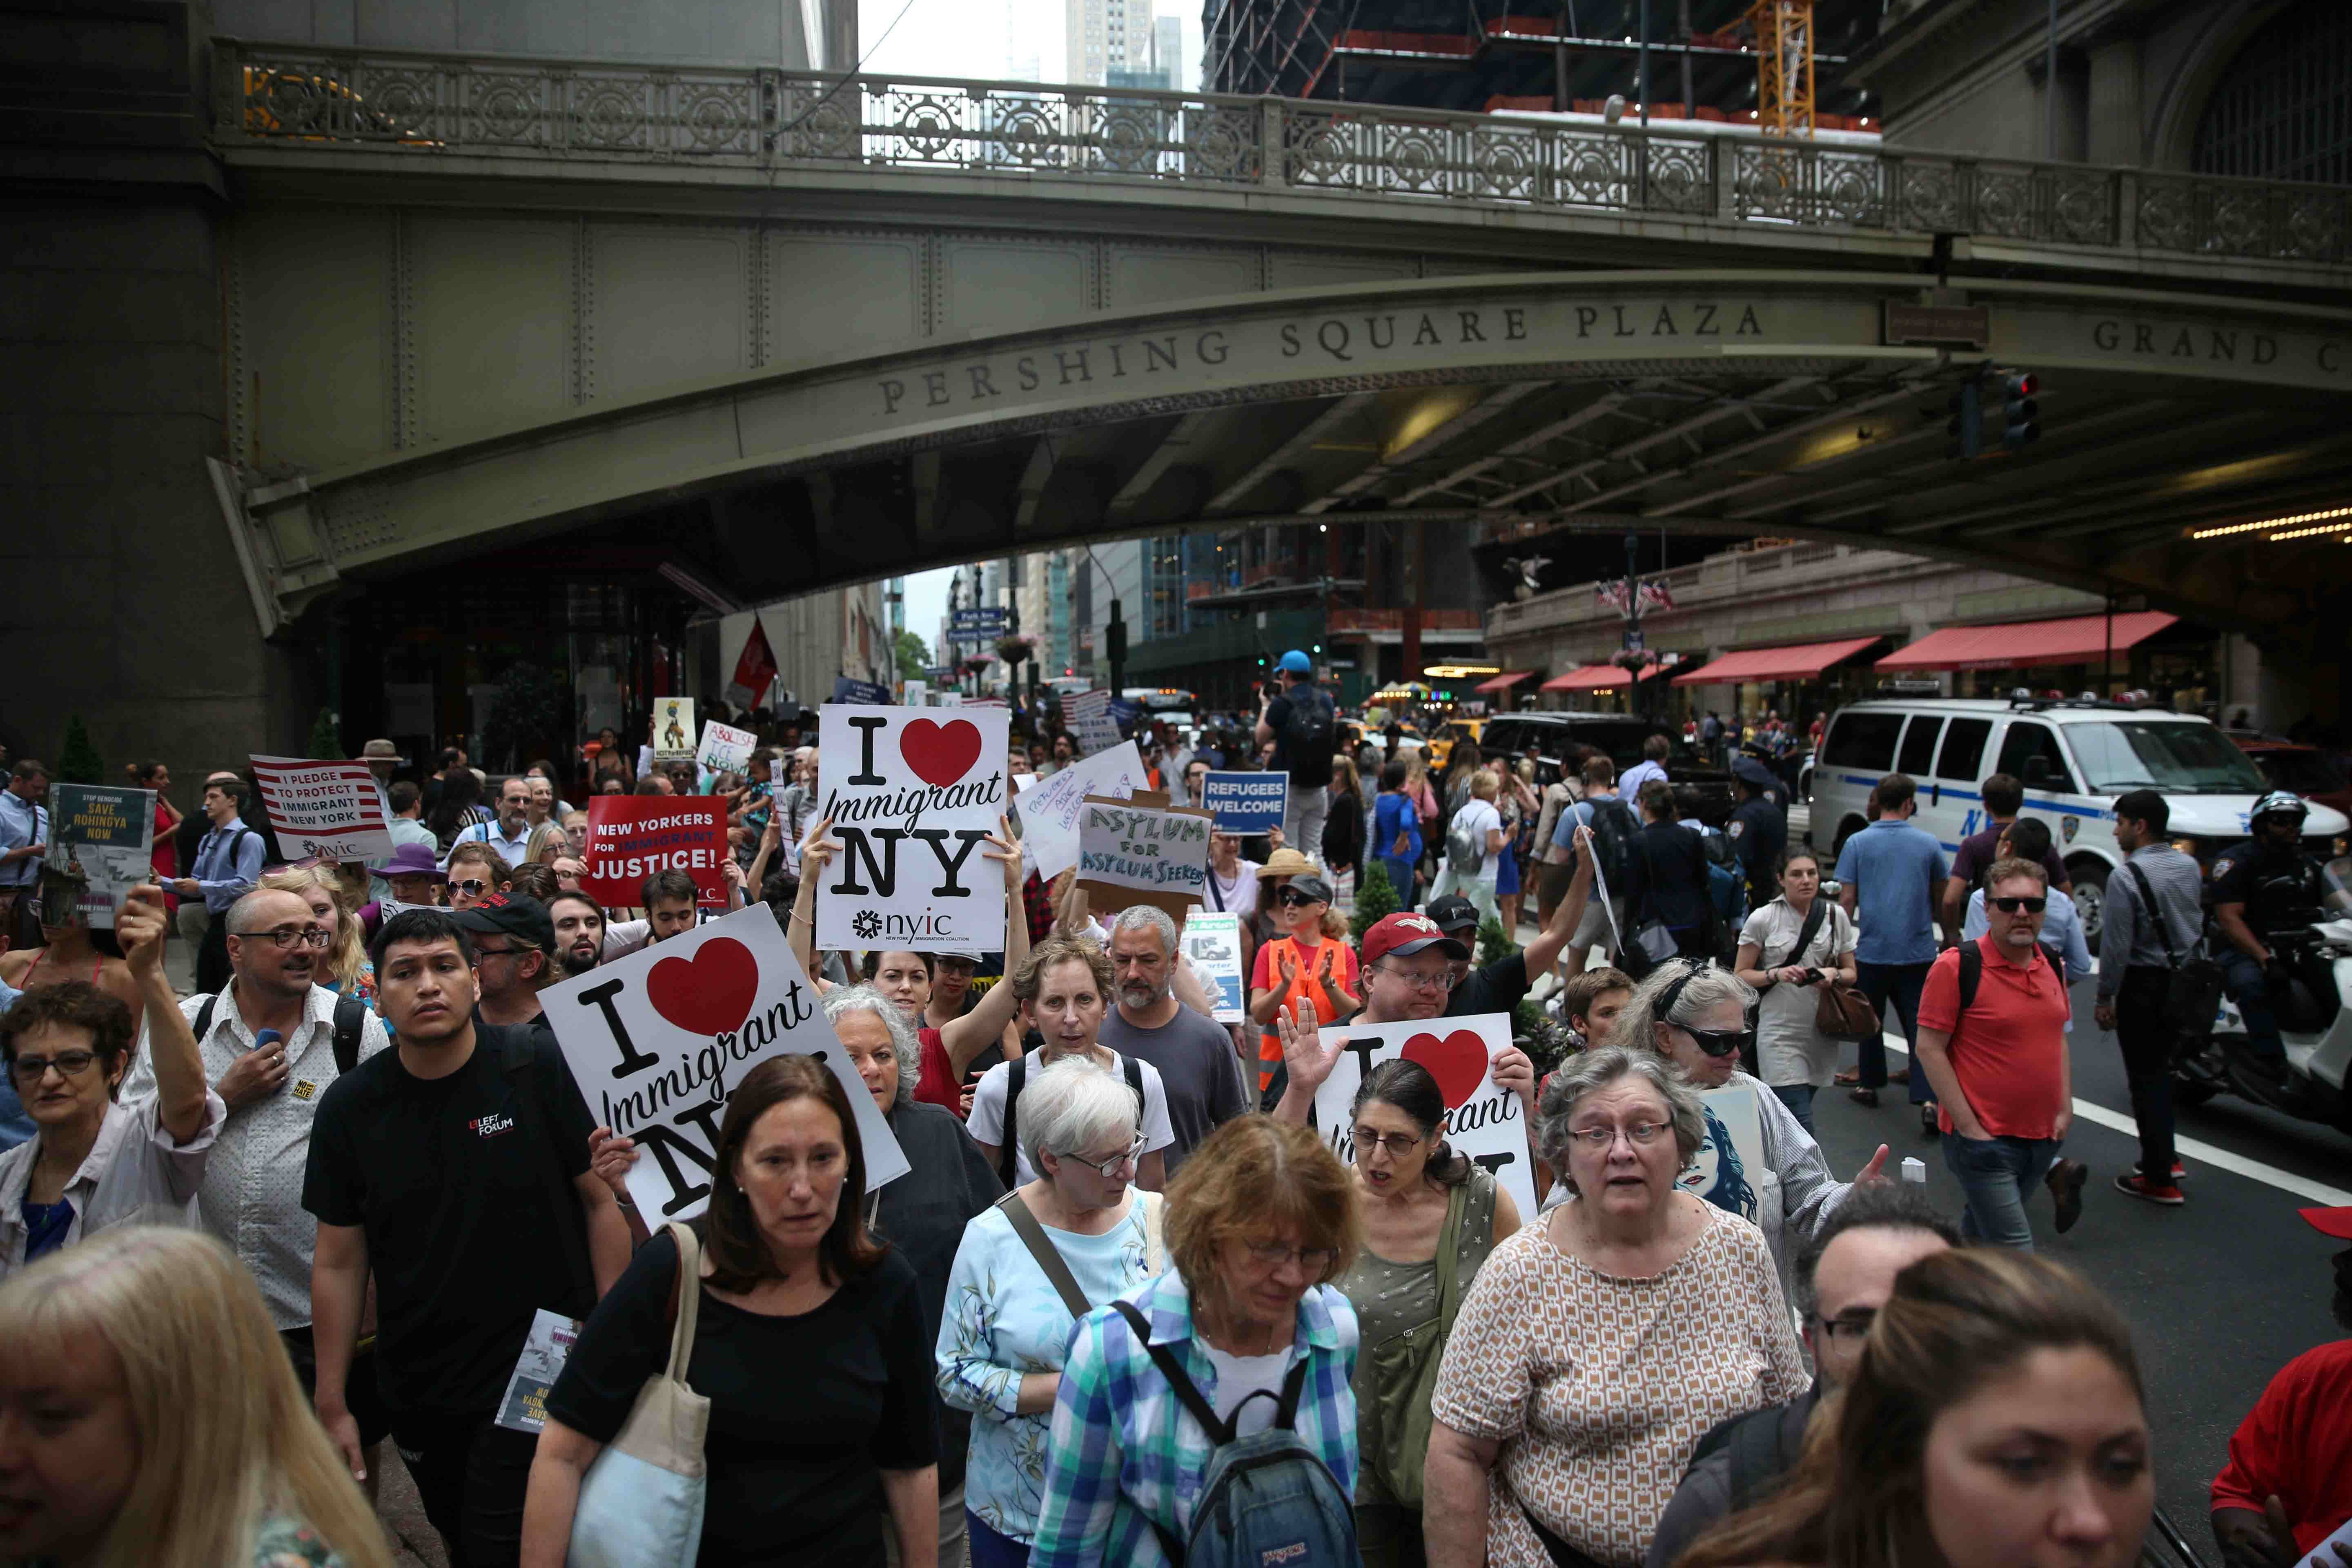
758,119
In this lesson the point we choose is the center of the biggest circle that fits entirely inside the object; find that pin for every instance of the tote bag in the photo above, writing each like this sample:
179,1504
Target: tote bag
641,1502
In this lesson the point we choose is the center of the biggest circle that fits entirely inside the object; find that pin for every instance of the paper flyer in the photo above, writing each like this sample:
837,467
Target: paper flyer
523,1406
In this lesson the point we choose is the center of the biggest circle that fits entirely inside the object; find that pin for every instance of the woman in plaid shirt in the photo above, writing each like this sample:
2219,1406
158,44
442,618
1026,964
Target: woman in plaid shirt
1260,1220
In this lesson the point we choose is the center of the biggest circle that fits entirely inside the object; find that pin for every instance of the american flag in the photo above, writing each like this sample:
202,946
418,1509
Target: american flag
1655,596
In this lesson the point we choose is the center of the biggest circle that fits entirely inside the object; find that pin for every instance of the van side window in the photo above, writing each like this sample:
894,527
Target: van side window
1862,741
2030,751
1919,745
1964,746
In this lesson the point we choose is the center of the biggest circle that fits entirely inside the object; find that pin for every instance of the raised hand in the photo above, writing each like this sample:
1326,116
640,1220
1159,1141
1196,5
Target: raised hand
139,927
1875,1171
819,850
1304,1052
611,1157
1006,853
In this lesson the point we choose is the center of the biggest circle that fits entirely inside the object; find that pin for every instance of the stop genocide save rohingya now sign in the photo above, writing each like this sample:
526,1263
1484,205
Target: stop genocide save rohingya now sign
912,801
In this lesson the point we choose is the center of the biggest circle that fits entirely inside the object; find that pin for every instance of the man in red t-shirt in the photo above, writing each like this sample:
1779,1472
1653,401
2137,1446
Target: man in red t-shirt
1999,1063
2288,1484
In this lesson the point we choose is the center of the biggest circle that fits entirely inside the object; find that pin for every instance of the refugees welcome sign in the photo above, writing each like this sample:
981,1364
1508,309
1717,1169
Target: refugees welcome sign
912,801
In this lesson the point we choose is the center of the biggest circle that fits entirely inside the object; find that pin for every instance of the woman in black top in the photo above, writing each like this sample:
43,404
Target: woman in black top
809,1344
1665,876
1343,827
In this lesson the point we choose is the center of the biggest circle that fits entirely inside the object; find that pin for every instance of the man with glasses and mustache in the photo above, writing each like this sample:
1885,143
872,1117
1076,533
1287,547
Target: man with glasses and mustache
1992,1041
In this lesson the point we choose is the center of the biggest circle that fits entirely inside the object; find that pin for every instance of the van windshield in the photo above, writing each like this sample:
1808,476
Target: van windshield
2179,759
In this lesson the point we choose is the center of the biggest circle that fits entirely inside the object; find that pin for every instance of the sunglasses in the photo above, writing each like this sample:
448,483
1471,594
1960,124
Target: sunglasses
474,886
1291,898
1717,1042
2011,906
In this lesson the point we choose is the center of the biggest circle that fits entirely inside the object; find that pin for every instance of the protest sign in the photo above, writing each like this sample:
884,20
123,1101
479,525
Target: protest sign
101,845
915,694
1132,852
328,811
1482,1120
725,749
860,691
1247,802
912,801
1727,1170
1211,941
947,699
657,1040
631,836
673,729
1049,812
1088,717
983,701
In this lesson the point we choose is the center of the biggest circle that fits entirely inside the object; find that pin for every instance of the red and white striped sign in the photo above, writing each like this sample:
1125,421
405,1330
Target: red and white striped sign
328,811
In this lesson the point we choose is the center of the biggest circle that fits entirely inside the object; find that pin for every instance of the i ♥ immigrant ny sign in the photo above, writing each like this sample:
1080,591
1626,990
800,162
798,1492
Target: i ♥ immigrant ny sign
913,800
1482,1119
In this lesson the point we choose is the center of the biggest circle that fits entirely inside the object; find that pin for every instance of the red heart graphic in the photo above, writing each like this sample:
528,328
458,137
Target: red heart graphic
939,753
708,994
1458,1063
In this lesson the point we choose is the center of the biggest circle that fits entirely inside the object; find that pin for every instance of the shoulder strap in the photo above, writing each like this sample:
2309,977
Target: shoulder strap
1040,1247
1133,1070
1179,1383
1449,1252
350,1017
1008,1153
202,1023
2154,913
686,1307
1971,971
1813,918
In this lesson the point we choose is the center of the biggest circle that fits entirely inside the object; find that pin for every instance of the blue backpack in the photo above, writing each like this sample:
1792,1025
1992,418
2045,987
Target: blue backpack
1268,1501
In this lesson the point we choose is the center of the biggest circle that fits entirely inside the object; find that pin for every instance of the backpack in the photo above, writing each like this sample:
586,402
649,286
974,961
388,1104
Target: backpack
1613,828
1972,972
1306,735
350,1017
1008,1153
1266,1501
1465,851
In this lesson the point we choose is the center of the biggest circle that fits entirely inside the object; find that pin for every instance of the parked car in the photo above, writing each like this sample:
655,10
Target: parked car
1441,745
2306,770
1619,736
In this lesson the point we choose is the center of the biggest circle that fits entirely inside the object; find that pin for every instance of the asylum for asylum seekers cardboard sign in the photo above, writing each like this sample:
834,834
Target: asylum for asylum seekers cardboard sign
1143,851
657,1040
913,800
1482,1119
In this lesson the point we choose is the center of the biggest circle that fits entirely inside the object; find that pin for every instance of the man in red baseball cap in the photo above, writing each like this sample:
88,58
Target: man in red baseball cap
2288,1484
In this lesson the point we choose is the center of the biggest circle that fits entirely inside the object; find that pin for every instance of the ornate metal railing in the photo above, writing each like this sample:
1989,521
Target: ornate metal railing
757,119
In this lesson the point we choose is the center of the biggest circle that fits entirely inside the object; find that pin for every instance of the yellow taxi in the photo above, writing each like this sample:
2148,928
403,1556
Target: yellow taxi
1441,745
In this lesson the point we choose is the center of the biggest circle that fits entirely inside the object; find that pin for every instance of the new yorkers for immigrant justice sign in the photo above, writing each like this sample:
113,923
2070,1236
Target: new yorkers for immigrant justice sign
631,836
657,1040
913,800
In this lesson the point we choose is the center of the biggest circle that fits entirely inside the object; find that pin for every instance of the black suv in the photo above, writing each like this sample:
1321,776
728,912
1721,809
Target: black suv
1620,735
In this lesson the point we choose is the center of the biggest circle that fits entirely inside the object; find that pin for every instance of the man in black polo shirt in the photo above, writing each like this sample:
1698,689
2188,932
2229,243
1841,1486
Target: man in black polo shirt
455,1167
1501,986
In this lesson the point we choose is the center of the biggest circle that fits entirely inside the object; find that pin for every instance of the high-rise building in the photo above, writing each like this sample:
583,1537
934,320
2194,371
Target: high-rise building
1107,38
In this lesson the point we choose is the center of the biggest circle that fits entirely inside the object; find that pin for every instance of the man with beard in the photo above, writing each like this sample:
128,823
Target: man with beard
1194,1054
579,932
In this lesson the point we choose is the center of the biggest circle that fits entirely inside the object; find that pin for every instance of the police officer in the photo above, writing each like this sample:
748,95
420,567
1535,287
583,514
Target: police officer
2260,887
1758,828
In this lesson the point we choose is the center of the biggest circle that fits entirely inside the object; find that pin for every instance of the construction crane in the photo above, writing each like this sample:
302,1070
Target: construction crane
1784,66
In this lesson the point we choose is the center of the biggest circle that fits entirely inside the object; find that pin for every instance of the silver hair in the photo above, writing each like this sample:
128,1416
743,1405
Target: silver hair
903,1044
1589,1072
1138,917
1703,987
1070,1105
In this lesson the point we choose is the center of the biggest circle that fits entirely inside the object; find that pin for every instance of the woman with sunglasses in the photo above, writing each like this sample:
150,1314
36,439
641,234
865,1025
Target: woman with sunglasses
1695,1015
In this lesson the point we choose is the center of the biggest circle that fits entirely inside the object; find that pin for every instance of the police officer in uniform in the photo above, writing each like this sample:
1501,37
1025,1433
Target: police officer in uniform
1758,828
2260,887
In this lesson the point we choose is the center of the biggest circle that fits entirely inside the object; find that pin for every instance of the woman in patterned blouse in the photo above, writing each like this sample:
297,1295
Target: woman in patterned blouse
1599,1345
157,1420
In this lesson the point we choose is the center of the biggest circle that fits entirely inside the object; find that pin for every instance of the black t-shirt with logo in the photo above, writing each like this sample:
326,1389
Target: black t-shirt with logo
464,1186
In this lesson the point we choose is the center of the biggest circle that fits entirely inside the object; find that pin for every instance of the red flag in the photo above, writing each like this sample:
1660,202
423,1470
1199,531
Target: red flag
631,836
755,668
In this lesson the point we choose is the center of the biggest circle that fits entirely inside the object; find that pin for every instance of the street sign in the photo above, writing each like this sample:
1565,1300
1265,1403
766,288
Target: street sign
1967,325
992,620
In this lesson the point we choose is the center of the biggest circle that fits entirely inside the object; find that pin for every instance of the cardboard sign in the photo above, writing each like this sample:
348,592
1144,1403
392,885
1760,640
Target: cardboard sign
1482,1120
631,836
1246,803
1049,812
326,811
658,1039
1134,853
1091,725
725,749
915,694
864,693
1725,1170
912,799
673,729
101,845
1211,941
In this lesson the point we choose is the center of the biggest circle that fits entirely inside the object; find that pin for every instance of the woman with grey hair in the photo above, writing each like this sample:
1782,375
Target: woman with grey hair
1028,1268
1602,1342
1695,1015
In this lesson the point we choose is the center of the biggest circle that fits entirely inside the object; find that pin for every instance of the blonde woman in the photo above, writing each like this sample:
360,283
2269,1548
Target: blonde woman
548,844
156,1420
345,967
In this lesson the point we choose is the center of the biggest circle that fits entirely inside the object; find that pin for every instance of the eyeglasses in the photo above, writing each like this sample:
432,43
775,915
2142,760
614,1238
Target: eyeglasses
474,887
1315,1259
1291,898
2011,906
1109,1167
1717,1042
1853,1325
1641,1134
1398,1144
69,1063
287,936
1417,981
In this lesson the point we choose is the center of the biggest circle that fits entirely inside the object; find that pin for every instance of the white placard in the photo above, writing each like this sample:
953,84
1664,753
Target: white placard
1049,813
2324,1555
658,1039
1482,1120
1145,848
327,810
915,694
1211,940
673,729
1092,726
913,800
947,699
1727,1169
725,749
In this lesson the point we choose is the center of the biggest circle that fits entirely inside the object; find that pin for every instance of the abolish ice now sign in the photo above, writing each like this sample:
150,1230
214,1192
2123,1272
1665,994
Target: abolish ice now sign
912,801
657,1040
1483,1120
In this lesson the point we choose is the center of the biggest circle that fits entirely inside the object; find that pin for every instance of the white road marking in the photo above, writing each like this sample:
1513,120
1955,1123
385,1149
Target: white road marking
2196,1150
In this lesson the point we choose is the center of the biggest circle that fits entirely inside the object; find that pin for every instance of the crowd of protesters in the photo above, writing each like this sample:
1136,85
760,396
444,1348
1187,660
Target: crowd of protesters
252,1227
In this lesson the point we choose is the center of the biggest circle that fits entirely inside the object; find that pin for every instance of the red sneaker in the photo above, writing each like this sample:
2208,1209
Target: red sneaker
2138,1186
2179,1170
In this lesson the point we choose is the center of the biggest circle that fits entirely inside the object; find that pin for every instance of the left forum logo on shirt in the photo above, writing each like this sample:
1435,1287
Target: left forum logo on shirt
493,1124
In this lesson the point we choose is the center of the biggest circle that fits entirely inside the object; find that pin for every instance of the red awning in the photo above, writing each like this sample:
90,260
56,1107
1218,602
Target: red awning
1503,682
2077,639
1803,661
1597,677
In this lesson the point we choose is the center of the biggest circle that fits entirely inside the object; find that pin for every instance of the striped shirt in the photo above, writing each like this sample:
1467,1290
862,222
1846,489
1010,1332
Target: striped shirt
1125,1455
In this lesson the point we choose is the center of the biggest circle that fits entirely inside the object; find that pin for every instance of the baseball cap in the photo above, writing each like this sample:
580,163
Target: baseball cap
1314,890
517,915
1297,663
1404,935
2335,1222
1453,913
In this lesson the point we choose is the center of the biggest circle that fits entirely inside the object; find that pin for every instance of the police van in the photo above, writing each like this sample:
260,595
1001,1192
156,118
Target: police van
2073,757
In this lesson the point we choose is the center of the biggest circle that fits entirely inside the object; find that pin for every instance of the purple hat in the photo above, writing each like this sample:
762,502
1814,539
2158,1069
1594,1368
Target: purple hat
411,860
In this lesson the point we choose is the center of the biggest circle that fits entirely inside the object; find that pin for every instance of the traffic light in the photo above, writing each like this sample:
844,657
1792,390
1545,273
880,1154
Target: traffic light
1261,661
1966,427
2021,415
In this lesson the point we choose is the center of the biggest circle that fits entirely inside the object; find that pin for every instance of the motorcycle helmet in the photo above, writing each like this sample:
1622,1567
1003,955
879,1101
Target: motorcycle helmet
2277,802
